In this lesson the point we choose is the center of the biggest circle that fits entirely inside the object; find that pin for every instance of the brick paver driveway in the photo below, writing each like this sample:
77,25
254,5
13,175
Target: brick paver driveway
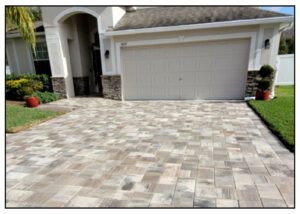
161,153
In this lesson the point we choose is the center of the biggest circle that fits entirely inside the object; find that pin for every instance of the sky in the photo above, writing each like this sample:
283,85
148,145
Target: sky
286,10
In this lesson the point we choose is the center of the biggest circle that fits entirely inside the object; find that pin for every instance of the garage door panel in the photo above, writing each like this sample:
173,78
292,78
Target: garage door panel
189,79
227,76
188,92
160,79
159,92
144,79
207,70
174,79
172,92
227,92
203,78
203,92
173,65
130,80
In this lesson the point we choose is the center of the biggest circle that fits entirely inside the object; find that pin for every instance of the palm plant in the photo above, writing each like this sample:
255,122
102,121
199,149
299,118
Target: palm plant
21,18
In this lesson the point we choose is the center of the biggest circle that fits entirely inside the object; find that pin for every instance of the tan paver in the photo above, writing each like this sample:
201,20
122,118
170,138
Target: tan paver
109,153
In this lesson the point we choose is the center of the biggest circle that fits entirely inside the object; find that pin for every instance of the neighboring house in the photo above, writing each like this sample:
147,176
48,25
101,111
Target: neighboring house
19,57
161,52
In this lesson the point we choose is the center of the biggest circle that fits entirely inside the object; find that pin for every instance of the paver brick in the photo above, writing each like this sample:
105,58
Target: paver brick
109,153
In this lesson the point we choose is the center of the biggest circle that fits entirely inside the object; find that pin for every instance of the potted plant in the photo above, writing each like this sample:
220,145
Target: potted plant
264,85
30,99
28,90
264,89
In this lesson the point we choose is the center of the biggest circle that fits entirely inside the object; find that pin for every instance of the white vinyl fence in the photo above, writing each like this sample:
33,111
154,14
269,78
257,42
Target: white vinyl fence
286,69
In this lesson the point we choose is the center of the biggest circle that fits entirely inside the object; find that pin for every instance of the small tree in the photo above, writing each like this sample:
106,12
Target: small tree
22,19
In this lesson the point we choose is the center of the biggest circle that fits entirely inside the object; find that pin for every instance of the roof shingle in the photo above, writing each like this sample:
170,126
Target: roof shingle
172,16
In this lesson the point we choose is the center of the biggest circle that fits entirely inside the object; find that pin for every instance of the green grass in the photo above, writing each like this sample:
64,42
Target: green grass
278,114
19,118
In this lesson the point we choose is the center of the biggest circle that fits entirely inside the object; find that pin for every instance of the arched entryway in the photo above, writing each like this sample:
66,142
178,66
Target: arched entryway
82,50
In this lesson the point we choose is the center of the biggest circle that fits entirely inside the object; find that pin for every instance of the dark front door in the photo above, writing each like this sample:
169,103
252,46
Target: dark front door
97,69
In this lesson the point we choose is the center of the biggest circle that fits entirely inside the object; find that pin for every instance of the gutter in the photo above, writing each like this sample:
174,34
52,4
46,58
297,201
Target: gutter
18,35
284,19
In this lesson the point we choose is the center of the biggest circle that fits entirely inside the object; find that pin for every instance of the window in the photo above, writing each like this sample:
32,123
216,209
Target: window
7,68
41,51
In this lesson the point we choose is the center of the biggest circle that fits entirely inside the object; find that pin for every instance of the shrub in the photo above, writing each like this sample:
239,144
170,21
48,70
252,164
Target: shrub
15,84
17,89
38,77
266,71
46,97
30,87
264,85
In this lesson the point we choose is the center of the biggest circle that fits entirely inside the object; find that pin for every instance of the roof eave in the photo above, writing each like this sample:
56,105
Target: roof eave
284,19
18,35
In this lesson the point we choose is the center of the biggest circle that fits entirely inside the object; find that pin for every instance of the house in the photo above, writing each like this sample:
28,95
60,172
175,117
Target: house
155,53
19,56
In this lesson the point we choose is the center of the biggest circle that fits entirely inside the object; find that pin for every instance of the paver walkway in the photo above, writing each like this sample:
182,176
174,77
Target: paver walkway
162,153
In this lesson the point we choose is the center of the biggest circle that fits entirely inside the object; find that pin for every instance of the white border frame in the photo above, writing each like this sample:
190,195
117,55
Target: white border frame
182,39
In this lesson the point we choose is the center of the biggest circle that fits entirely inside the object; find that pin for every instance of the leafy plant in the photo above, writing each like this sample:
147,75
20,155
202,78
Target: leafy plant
22,87
29,88
266,71
22,19
44,78
264,85
287,46
46,97
15,84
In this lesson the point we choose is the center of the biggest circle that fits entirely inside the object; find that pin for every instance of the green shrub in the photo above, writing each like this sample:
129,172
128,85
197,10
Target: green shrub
38,77
264,85
46,97
266,71
17,89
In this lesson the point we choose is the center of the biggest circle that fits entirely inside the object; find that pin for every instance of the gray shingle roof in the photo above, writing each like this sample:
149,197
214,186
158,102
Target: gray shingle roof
172,16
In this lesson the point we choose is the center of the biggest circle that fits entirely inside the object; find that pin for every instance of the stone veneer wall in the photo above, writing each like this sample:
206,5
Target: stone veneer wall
59,86
81,85
251,84
111,87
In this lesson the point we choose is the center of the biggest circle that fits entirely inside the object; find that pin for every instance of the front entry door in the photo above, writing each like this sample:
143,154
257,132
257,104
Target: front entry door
97,69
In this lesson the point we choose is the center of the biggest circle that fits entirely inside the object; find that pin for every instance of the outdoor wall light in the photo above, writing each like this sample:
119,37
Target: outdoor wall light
106,54
267,43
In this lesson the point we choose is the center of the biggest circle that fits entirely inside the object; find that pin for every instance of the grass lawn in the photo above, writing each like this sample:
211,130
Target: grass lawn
279,114
19,118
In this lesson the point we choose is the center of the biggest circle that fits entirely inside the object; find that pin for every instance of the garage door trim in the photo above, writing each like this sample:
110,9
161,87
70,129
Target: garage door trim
182,39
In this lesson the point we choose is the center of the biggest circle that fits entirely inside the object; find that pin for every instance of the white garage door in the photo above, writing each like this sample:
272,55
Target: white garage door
207,70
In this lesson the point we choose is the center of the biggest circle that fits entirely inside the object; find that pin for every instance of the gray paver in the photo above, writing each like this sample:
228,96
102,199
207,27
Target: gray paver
109,153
